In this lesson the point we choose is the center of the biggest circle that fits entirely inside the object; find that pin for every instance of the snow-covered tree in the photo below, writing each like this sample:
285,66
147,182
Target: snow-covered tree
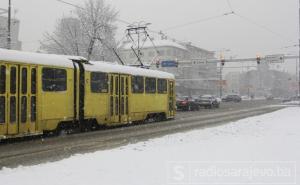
89,34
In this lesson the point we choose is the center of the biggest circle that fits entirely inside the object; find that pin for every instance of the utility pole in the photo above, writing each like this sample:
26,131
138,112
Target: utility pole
299,55
221,81
298,72
9,26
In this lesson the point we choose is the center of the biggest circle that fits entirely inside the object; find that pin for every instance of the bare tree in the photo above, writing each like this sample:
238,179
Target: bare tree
89,34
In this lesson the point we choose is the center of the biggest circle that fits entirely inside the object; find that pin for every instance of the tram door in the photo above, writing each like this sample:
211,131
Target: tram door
27,100
124,98
114,98
171,99
3,99
17,99
119,98
12,99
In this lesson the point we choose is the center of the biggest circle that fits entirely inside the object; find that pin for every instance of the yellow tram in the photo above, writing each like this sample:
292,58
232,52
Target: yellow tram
43,93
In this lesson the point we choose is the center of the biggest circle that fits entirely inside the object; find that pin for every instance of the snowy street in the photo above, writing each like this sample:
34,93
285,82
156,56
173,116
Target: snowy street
263,141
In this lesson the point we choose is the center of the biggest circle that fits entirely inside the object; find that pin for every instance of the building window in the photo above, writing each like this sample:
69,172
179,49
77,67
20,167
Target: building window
151,54
54,79
169,52
99,82
137,84
162,86
150,85
131,55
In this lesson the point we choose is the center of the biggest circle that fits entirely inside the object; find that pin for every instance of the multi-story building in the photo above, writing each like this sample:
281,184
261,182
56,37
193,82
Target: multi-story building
232,83
187,62
15,26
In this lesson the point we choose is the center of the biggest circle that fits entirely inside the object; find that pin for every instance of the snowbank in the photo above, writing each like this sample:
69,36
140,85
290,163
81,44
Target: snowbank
269,140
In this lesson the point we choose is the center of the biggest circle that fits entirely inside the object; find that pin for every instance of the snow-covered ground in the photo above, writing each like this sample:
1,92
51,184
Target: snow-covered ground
257,150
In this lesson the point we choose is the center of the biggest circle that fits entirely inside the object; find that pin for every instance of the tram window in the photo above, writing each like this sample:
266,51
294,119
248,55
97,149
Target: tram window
111,106
12,115
54,79
162,86
122,106
122,86
33,81
137,84
126,104
111,84
99,82
150,85
33,109
126,86
2,109
24,80
13,80
2,79
117,106
117,85
23,109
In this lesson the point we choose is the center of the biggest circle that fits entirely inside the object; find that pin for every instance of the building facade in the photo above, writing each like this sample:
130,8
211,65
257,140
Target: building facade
15,26
194,75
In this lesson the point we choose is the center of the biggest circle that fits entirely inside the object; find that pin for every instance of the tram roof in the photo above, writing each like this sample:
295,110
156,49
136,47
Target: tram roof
66,61
38,58
117,68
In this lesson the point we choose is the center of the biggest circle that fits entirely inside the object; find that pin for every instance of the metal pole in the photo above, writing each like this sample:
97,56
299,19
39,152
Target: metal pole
9,26
296,74
299,55
221,83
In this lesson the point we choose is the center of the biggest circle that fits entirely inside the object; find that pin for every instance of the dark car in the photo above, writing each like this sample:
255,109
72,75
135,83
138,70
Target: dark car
232,98
208,101
288,99
186,103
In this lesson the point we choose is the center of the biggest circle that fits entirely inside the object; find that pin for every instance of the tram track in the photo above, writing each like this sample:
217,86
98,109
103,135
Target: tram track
57,148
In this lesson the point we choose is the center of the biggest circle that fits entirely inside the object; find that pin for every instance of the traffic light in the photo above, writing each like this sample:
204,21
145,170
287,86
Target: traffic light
157,64
176,63
222,61
258,59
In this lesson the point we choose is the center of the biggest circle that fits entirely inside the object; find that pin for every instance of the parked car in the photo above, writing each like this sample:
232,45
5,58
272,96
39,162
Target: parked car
208,101
288,99
232,98
269,97
186,103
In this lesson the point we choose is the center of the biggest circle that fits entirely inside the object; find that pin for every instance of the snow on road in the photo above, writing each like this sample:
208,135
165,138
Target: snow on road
271,140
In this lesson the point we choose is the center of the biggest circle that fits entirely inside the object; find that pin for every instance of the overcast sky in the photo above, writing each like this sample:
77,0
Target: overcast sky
267,26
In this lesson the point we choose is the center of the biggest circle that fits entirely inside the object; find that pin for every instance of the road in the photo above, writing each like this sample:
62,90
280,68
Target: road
40,150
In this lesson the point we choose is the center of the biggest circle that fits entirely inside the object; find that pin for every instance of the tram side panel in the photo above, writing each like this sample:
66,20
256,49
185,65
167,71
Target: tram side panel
97,97
56,96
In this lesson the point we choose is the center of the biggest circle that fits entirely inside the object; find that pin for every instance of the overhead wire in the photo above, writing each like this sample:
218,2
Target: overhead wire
230,6
262,27
199,21
79,7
